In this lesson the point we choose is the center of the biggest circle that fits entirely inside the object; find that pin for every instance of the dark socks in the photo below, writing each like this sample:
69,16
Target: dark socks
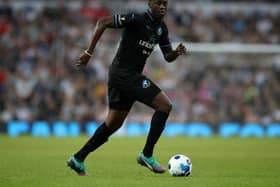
100,136
157,126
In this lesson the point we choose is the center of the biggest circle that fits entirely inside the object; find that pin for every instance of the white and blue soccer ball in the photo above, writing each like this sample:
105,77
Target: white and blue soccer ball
180,165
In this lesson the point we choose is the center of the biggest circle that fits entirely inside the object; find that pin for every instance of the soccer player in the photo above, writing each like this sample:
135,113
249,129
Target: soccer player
127,84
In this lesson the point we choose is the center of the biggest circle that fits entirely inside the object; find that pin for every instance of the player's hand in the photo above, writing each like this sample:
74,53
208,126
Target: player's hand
181,49
83,59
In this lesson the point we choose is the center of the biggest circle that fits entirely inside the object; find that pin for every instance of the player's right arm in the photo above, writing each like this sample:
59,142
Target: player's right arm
115,21
102,24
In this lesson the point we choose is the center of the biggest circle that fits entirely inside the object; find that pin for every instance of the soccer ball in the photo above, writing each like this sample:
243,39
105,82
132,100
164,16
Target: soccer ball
180,165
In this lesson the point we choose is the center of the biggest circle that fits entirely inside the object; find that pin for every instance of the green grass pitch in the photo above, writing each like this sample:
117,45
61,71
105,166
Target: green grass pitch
217,162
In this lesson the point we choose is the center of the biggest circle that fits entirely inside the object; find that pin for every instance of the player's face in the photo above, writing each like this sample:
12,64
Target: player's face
159,8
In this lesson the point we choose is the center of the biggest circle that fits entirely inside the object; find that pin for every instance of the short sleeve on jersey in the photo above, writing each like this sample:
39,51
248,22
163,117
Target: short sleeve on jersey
164,39
124,20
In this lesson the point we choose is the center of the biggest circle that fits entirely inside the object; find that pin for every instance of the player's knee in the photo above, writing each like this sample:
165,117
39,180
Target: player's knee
114,125
166,107
169,107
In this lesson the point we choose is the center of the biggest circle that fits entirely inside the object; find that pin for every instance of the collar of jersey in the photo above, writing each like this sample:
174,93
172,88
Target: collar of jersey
150,15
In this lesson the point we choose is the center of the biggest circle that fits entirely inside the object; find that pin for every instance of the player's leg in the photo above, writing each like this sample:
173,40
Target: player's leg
120,106
112,123
150,94
162,106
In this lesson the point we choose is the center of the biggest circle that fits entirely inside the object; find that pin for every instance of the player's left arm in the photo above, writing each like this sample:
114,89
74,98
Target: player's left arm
166,48
171,55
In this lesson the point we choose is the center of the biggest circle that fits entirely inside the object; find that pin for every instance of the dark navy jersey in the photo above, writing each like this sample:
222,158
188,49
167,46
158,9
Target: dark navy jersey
141,34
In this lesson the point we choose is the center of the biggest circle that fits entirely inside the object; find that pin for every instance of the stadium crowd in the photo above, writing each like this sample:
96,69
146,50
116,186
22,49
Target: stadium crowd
38,79
244,27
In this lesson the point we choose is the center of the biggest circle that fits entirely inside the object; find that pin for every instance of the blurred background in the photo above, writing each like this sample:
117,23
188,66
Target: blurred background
230,75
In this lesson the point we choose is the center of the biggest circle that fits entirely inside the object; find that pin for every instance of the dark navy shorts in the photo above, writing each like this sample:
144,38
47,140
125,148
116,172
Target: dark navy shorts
141,88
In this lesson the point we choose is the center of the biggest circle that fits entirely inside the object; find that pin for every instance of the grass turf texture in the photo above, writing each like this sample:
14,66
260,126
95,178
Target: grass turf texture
27,161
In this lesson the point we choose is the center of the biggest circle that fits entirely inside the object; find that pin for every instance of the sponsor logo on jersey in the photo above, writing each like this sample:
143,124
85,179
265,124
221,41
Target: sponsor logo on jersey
146,83
147,44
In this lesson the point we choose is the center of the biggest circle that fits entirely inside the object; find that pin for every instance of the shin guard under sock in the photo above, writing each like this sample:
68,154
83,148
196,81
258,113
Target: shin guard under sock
100,136
157,126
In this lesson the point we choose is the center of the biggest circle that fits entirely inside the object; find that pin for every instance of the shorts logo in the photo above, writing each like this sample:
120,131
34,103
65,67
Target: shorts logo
146,83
